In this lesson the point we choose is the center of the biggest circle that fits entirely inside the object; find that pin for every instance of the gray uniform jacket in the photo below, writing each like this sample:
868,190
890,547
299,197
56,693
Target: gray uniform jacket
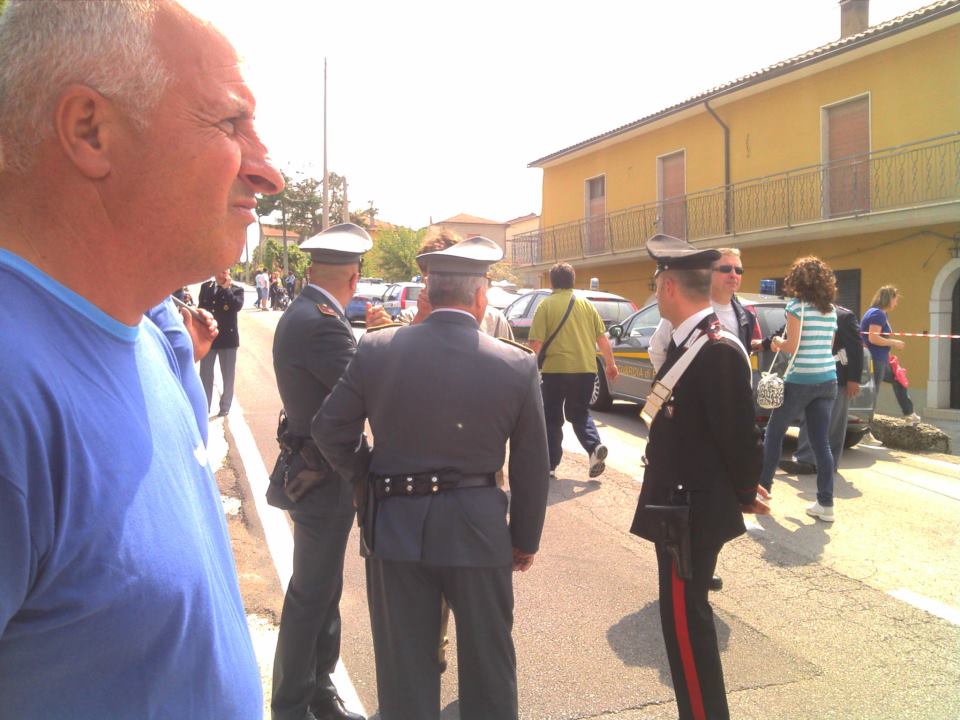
442,395
312,347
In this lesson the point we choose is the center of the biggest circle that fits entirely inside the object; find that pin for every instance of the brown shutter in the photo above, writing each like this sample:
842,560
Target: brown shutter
672,186
848,142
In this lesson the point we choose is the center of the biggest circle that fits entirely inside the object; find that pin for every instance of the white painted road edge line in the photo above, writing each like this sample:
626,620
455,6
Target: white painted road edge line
934,607
277,532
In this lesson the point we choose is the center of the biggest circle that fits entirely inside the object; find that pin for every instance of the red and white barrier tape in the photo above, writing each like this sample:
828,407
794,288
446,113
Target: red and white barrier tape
923,334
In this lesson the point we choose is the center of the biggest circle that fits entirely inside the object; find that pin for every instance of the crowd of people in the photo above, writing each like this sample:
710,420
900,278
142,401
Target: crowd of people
120,595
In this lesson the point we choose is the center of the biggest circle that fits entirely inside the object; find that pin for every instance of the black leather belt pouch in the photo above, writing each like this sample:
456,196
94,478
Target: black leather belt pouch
669,525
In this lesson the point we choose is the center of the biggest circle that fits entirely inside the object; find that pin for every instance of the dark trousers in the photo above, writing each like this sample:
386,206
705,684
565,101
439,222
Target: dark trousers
404,600
882,371
568,395
228,370
691,638
308,645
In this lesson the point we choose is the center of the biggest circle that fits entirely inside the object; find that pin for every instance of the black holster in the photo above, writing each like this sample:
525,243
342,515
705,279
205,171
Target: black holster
300,467
669,526
366,502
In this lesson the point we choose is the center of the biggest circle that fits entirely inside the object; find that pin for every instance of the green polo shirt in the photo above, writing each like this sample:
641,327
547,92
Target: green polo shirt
574,349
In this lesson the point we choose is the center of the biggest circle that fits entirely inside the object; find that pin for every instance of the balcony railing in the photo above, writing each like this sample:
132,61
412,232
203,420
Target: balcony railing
906,176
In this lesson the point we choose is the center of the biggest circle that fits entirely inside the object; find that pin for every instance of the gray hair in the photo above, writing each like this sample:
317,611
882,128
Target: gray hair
446,290
46,45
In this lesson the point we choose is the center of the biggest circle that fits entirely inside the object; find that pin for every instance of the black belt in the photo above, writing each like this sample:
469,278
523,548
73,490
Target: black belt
385,486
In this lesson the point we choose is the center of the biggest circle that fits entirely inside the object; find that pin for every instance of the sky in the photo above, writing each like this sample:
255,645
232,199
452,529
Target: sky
436,108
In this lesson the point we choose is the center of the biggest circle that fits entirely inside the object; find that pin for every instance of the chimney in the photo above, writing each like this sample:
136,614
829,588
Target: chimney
854,17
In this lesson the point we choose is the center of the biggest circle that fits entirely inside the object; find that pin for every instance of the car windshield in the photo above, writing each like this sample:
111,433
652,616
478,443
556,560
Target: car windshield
612,311
370,289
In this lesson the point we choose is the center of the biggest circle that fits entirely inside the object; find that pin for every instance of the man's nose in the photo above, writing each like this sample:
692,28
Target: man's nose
260,174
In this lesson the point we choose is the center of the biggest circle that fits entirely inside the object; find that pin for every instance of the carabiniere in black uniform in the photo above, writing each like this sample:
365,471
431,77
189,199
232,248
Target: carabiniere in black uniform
312,347
703,452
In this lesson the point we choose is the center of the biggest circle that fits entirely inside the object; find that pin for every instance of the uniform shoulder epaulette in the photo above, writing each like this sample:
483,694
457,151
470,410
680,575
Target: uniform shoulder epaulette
523,347
327,310
381,327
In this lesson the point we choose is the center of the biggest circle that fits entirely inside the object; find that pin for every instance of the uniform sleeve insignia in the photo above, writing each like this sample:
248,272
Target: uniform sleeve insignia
516,345
387,325
327,310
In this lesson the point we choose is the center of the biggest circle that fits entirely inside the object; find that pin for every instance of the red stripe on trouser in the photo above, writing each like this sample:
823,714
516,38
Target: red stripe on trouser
683,642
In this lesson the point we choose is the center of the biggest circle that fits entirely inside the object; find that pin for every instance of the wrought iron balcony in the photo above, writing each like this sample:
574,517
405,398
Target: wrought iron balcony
907,176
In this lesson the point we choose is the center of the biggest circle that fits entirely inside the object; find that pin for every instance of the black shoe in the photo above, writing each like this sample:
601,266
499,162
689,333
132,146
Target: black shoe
716,583
332,709
792,467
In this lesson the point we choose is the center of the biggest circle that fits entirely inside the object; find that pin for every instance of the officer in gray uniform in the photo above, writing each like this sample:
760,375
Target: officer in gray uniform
312,346
443,399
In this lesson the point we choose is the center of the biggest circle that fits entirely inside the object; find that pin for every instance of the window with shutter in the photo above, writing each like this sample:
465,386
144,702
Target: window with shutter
671,191
596,192
847,145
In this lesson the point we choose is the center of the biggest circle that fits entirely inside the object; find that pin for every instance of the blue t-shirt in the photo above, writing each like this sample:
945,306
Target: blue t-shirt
813,361
879,353
166,317
118,592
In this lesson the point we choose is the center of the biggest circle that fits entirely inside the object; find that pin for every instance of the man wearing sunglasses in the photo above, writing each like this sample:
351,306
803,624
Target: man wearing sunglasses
734,317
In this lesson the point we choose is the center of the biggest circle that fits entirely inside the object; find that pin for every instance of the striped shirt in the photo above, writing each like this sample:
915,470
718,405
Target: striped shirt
813,362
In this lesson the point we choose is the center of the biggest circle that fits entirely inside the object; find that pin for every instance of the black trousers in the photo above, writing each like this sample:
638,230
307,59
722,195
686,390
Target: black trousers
404,600
308,644
691,638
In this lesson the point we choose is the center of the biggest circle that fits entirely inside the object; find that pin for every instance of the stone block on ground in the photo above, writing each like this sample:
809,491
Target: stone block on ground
898,433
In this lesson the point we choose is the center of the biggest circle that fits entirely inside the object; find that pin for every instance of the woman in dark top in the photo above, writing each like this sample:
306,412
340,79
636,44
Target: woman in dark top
876,329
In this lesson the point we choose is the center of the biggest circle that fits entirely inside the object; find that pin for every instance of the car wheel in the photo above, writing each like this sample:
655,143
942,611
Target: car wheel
852,438
600,398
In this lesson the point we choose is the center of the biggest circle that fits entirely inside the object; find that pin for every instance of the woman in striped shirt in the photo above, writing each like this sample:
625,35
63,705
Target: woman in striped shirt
810,385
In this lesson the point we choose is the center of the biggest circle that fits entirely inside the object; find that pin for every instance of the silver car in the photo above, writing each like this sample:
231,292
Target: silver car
630,341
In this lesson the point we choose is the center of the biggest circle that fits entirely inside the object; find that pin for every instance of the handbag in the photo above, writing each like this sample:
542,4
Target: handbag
542,355
770,387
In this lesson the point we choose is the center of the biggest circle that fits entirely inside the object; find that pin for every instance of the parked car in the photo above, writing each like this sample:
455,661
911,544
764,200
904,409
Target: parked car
367,292
630,341
399,296
612,308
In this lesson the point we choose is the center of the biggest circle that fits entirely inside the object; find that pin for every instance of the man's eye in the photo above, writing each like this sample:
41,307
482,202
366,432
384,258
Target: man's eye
228,126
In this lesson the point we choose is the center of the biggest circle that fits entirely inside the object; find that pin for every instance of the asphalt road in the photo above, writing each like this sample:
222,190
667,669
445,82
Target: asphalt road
856,620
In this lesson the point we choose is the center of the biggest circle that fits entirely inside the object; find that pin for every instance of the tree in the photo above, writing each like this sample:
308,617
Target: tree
394,254
503,270
303,202
270,256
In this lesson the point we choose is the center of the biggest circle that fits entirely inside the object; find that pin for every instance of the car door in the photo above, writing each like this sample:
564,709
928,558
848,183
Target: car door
632,356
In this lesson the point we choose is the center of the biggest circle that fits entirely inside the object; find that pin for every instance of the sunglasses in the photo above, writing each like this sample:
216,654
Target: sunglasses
729,268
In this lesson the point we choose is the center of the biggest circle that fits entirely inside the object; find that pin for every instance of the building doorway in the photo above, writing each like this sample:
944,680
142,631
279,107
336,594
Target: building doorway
955,349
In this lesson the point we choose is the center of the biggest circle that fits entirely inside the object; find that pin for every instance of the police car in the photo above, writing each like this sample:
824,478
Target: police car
630,341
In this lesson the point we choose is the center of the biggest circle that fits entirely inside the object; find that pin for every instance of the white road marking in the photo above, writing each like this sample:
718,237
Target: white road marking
277,531
934,607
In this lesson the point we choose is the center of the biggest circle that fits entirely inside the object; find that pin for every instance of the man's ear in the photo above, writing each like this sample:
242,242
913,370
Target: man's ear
84,126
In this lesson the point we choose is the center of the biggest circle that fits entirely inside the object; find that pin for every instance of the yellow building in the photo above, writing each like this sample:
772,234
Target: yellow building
850,152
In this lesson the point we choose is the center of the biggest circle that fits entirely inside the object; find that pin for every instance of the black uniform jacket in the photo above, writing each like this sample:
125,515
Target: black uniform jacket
848,337
312,346
443,395
224,304
705,439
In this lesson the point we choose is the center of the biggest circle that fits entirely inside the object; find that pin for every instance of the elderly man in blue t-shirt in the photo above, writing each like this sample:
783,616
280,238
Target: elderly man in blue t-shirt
130,166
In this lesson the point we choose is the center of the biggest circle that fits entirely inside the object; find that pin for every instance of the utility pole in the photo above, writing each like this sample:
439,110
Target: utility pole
326,176
345,210
286,256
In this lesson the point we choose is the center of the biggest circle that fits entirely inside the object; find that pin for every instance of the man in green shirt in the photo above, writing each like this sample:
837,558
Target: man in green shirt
570,366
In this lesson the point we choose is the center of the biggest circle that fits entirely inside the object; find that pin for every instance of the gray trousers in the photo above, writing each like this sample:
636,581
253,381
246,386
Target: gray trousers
836,432
308,644
404,600
228,369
